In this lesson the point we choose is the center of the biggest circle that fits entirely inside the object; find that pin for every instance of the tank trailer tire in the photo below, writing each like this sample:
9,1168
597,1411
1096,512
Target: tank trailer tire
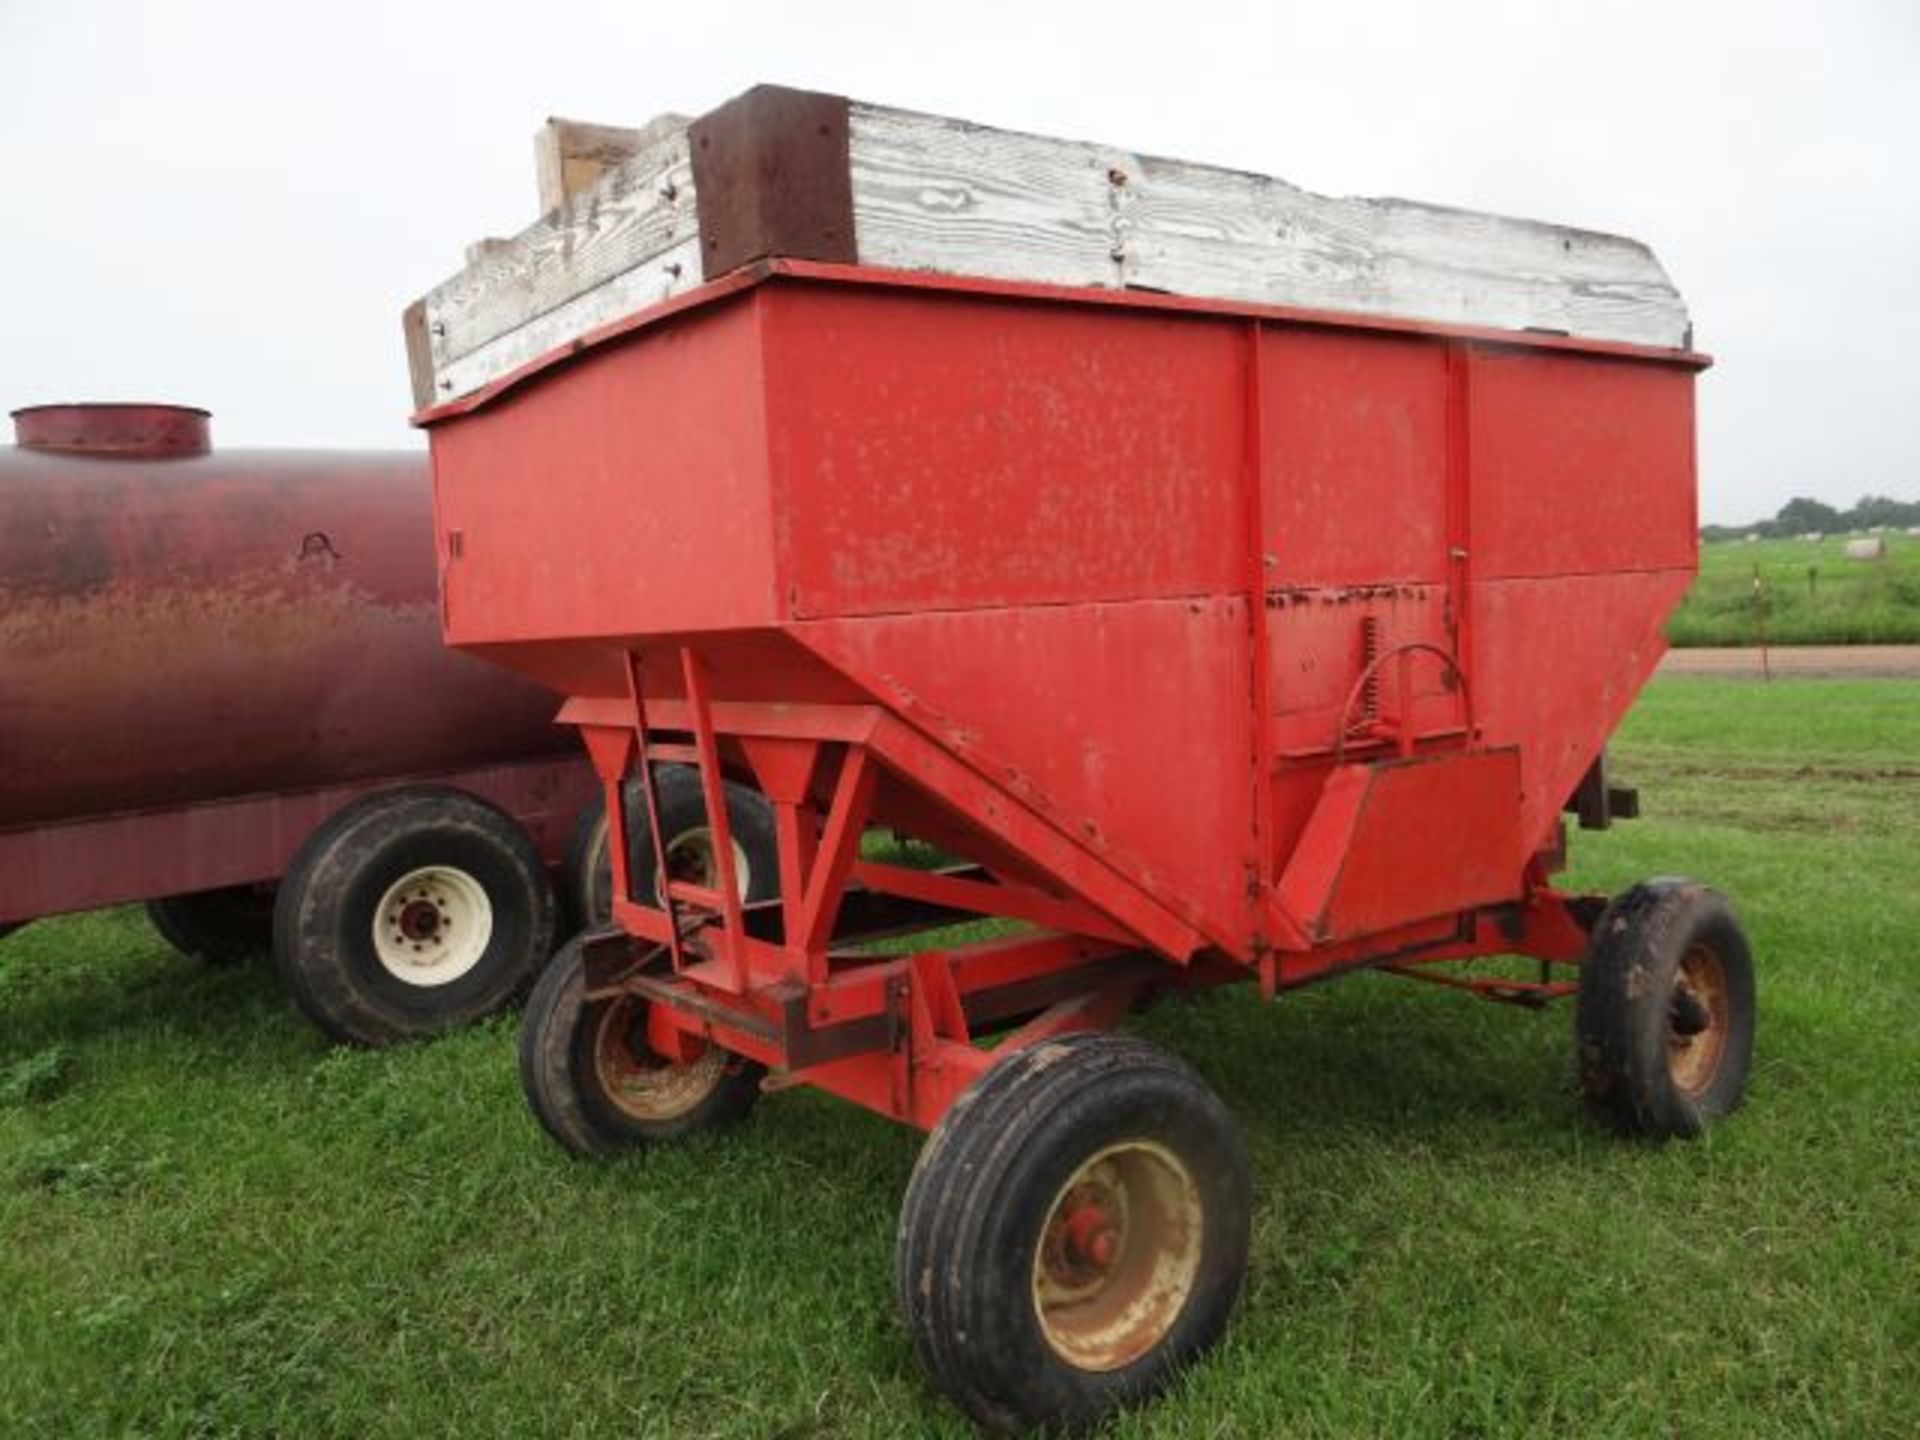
1665,1015
409,912
220,927
595,1086
588,879
1075,1230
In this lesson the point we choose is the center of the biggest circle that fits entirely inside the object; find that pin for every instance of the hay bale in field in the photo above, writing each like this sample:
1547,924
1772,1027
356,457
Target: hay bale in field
1873,547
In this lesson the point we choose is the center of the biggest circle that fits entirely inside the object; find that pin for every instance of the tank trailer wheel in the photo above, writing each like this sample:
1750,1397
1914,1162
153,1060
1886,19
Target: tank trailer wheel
1075,1230
409,912
1665,1014
220,927
683,816
594,1084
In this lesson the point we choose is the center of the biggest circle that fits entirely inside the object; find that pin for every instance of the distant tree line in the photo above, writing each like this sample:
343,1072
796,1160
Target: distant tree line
1803,516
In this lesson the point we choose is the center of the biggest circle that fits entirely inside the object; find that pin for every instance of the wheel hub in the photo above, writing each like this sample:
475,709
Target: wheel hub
639,1082
432,925
1697,1020
691,857
1118,1255
419,920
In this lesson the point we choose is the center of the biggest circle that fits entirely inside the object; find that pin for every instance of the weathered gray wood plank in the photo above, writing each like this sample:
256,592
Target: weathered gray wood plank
942,195
636,212
571,155
658,278
934,194
938,194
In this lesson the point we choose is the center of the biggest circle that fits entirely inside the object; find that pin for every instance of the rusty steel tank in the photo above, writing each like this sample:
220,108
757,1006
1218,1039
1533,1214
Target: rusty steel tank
206,658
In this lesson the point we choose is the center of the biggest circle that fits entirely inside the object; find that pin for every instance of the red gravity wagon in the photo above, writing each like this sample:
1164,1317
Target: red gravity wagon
1226,582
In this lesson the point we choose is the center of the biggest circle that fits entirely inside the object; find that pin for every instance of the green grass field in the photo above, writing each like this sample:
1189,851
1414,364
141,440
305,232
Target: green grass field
212,1224
1841,602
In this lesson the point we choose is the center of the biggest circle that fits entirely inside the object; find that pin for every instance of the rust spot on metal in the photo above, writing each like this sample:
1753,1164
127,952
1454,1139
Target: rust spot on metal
147,432
771,170
315,545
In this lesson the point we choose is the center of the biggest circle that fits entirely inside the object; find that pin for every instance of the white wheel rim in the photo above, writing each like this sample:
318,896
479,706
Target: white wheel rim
432,926
692,851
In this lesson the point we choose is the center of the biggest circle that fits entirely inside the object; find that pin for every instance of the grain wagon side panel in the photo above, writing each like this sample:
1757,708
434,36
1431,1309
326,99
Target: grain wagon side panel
631,498
1581,540
936,452
1353,480
1581,464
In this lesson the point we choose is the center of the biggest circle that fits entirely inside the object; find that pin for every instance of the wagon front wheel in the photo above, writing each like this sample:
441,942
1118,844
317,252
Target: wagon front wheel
1665,1015
1075,1230
596,1086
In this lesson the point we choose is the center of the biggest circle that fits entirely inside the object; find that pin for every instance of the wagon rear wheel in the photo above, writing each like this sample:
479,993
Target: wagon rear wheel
1076,1228
594,1084
683,816
1665,1017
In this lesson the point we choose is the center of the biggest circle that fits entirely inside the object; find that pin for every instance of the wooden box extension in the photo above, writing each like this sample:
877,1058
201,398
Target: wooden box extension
639,216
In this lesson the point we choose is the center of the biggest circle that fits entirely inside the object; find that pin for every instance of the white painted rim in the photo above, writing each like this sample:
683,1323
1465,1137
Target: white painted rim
697,845
432,926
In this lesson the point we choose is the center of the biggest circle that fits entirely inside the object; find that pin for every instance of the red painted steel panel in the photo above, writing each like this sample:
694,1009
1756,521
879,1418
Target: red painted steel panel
1581,464
1131,721
1558,662
935,453
627,494
1317,647
1354,484
1021,523
1407,840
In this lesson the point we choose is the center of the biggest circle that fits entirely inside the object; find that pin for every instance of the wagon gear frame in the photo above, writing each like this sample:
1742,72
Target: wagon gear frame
899,1034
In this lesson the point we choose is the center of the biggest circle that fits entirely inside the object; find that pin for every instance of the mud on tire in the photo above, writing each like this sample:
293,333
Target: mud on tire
1664,1021
1075,1230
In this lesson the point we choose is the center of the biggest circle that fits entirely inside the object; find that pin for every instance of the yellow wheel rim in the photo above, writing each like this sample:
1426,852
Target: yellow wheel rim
1697,1019
1118,1255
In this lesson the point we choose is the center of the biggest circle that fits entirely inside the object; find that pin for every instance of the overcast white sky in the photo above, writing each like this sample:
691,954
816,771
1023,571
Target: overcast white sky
229,204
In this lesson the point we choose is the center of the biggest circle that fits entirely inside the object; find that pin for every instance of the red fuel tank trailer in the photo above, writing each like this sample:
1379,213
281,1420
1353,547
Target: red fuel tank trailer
221,678
1209,638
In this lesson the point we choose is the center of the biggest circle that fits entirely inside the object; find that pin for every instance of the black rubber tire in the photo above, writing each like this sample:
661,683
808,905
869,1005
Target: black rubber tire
559,1031
220,927
1627,1010
588,880
586,884
323,917
981,1193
